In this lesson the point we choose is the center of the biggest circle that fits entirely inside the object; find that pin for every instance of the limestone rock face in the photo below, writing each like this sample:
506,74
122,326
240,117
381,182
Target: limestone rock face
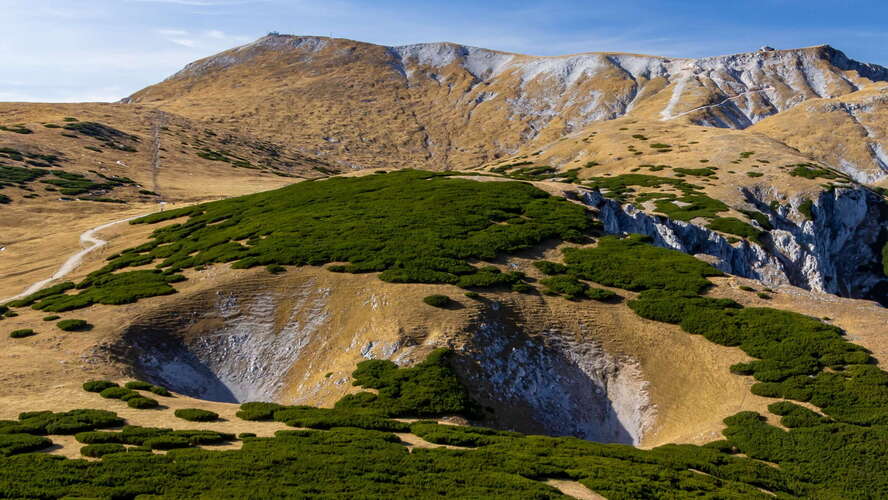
834,253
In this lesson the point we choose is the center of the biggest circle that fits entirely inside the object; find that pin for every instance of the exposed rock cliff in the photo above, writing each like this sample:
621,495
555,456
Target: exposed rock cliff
836,250
557,385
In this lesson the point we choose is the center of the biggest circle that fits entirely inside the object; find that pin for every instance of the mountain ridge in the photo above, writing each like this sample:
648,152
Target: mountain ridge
446,105
318,42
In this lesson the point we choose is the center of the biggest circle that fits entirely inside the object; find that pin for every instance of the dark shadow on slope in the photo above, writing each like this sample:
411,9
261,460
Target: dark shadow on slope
534,386
162,358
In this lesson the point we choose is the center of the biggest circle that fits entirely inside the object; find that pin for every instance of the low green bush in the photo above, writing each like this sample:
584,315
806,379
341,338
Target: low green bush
22,333
600,294
196,415
167,442
98,385
102,287
324,418
550,268
634,264
98,437
698,172
459,435
161,391
566,285
812,171
258,411
142,403
137,435
18,129
138,385
200,437
130,395
429,388
52,317
74,325
489,277
99,450
733,225
796,416
806,208
13,444
42,294
115,392
437,300
275,268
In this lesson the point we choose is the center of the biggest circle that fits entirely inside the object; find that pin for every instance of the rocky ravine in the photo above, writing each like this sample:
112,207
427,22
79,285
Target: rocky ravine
837,251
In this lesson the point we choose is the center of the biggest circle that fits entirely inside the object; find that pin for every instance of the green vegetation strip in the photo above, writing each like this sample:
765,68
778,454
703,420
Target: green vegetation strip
196,415
812,171
692,202
66,183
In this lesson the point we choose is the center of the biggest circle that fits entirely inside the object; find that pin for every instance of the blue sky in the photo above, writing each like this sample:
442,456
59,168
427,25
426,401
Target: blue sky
102,50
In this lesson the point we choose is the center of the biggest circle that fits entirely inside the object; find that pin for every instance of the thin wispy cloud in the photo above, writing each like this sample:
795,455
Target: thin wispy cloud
207,38
199,3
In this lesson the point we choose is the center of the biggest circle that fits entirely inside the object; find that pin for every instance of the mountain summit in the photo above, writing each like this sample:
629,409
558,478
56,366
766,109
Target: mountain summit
447,105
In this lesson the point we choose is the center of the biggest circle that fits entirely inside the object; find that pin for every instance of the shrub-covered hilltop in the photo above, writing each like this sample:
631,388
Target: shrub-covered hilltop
413,226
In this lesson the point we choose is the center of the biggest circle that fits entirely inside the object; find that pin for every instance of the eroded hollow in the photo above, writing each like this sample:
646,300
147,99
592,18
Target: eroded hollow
554,384
229,347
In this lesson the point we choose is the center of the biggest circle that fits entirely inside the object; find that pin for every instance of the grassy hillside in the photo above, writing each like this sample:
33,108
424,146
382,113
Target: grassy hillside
101,152
830,396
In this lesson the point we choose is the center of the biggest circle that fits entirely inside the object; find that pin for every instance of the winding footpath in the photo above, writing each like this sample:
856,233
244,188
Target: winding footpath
87,238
